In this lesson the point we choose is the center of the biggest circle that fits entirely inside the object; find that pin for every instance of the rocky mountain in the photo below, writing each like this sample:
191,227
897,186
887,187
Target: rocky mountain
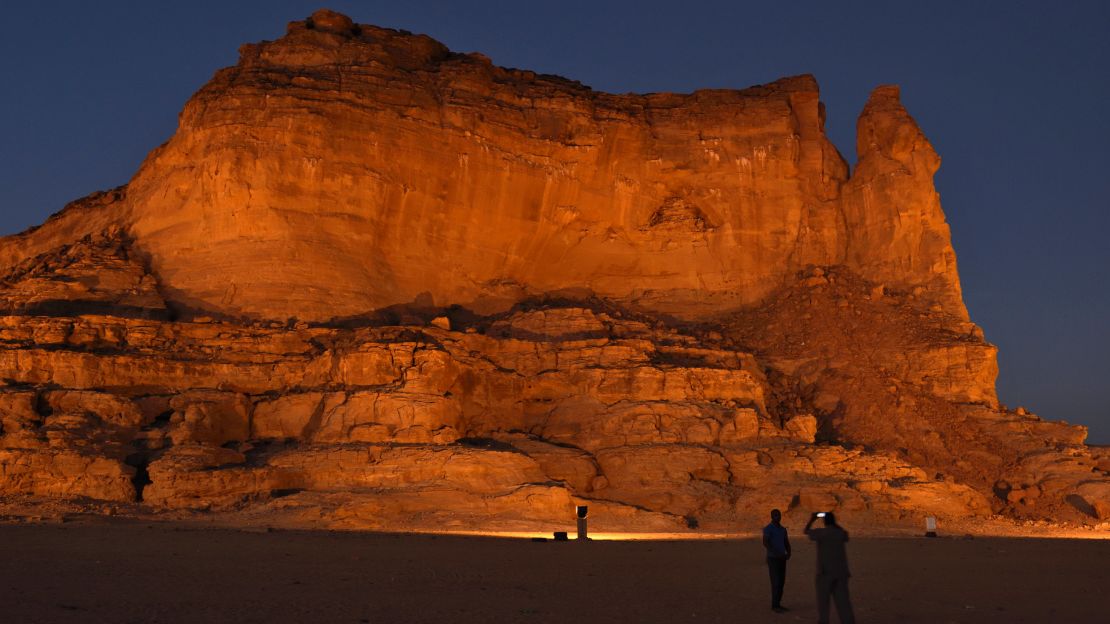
373,283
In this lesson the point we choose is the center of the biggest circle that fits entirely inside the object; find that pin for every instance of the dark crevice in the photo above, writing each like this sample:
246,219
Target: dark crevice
140,462
68,308
259,452
488,444
42,408
1082,505
1002,490
161,421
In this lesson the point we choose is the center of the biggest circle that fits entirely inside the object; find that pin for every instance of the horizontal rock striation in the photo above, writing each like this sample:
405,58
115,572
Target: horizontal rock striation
372,283
401,170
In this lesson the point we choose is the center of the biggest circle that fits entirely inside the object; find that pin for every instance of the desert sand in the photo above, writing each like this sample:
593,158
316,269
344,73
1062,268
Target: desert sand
138,573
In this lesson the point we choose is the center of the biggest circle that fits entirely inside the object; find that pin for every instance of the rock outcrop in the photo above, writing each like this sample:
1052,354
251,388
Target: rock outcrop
374,283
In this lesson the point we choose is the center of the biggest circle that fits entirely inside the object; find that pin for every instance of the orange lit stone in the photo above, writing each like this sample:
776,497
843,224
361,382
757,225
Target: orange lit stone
370,283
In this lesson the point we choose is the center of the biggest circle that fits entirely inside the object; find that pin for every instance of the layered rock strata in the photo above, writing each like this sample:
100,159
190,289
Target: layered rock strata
403,171
374,283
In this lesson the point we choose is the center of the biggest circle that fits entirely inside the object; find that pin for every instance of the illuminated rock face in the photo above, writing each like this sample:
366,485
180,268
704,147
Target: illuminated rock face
373,283
340,170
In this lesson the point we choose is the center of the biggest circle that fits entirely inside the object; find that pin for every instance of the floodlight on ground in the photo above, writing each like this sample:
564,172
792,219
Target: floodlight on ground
930,527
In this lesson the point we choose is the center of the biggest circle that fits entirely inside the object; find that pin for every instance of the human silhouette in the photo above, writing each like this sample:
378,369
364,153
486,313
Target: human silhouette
832,569
777,543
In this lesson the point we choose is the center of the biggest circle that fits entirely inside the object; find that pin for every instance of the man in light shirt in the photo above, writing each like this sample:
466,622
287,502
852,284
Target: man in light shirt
832,568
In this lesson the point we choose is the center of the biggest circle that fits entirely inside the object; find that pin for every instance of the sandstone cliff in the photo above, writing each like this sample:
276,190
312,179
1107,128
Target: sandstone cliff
370,282
399,169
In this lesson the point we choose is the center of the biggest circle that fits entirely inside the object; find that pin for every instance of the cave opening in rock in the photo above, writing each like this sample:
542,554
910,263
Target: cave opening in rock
140,462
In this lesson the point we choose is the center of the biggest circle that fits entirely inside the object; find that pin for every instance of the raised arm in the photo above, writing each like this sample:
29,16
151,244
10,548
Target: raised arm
809,525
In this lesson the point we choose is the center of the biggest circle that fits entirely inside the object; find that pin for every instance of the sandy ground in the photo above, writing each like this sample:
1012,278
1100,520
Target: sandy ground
132,573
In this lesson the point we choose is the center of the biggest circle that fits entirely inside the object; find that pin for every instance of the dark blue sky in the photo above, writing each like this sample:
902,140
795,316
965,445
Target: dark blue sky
1014,95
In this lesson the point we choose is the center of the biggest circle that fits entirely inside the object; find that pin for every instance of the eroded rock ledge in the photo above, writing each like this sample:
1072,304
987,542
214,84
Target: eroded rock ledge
444,418
371,283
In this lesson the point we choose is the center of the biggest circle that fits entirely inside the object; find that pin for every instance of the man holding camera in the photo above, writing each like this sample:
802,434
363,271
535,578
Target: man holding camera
832,568
777,544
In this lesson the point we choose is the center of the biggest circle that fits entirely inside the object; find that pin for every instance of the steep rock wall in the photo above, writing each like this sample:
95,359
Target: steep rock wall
341,169
373,283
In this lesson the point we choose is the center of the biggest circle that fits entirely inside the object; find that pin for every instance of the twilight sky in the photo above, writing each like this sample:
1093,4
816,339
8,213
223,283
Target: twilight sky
1013,94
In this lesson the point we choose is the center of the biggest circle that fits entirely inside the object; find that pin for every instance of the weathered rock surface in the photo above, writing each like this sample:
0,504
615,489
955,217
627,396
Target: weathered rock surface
374,283
477,185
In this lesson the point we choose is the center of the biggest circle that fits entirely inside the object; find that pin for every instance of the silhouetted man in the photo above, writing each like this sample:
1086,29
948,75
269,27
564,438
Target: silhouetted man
832,569
777,544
